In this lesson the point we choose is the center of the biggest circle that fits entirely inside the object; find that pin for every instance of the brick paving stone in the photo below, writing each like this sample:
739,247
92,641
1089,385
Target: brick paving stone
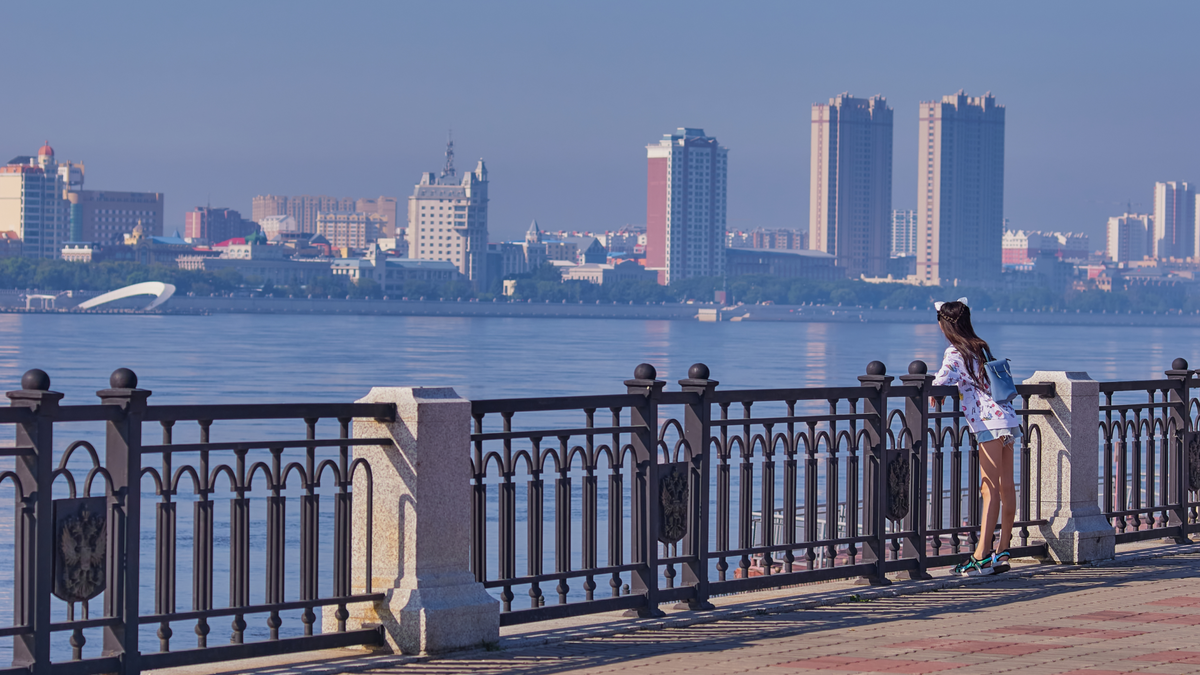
1053,623
1177,601
1192,658
873,665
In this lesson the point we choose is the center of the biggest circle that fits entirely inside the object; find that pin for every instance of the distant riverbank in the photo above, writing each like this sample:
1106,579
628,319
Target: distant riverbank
12,301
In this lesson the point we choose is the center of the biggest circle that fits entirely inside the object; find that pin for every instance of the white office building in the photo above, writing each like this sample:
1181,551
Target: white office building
447,219
1175,220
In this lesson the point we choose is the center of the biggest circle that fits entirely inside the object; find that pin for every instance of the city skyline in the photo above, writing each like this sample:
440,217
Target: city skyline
533,78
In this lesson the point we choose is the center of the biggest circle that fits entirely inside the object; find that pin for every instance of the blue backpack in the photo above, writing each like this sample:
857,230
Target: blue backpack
1000,378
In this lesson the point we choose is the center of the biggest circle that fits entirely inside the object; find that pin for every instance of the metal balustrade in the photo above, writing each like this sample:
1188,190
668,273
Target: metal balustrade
578,504
688,474
83,548
1150,454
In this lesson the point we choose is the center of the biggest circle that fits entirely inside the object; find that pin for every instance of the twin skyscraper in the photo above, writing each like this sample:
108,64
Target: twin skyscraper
960,195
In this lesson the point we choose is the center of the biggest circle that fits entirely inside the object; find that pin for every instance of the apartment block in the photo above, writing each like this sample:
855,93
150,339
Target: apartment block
351,229
105,216
685,205
1022,247
215,225
904,233
850,189
1175,220
304,208
960,197
1130,237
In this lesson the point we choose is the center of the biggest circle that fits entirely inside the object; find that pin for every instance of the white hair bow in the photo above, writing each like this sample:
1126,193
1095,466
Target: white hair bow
938,305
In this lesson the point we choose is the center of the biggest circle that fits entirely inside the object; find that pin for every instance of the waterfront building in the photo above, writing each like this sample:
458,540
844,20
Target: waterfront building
253,259
33,206
960,213
447,219
904,233
685,206
794,264
1021,247
106,216
393,273
150,249
609,273
850,189
91,252
351,229
1175,220
274,228
207,224
1129,237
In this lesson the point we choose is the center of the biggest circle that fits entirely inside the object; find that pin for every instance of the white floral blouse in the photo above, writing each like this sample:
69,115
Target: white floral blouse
981,410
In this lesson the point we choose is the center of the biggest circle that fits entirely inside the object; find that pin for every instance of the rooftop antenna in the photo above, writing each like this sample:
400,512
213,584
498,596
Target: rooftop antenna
448,171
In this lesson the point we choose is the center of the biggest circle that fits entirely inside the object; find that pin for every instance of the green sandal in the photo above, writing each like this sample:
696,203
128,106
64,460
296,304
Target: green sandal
972,567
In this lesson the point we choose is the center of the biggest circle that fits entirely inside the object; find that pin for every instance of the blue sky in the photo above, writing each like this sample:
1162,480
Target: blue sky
220,101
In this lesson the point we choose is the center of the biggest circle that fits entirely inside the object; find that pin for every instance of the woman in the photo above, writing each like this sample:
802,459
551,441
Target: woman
994,425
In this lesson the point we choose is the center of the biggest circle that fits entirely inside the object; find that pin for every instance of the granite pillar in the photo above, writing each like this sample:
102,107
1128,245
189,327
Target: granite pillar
421,527
1069,469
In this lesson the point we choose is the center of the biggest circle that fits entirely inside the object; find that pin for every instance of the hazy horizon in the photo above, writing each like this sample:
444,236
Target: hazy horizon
215,103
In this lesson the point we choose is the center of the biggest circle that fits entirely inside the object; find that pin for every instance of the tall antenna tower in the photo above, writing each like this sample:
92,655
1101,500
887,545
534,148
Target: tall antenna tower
448,171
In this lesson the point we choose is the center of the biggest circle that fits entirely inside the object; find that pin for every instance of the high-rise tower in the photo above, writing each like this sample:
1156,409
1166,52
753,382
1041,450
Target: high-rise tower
32,203
447,218
850,193
1174,220
685,206
960,196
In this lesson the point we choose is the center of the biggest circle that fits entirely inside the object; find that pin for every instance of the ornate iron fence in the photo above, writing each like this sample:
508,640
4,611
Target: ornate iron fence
80,529
1150,454
660,495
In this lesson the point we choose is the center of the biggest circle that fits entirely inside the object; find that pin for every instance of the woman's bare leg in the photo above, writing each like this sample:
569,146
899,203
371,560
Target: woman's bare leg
1008,495
990,457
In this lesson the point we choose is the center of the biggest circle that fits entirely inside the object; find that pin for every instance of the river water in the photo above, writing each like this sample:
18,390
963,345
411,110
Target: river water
279,358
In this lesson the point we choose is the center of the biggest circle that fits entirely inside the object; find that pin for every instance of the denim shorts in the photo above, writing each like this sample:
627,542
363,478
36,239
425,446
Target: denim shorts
994,434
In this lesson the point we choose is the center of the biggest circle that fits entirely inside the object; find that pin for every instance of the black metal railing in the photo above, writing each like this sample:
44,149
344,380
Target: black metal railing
660,495
1150,456
105,516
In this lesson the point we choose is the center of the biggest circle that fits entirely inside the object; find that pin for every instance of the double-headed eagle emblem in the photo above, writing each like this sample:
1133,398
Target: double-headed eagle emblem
673,498
81,553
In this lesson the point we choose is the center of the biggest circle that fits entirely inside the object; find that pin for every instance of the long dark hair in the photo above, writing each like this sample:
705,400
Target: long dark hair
954,318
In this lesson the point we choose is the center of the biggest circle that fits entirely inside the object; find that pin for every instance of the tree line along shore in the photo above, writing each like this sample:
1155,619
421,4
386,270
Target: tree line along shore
544,285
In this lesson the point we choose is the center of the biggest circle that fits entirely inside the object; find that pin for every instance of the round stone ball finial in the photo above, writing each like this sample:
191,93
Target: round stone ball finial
698,371
123,378
918,367
35,380
876,368
644,371
1179,364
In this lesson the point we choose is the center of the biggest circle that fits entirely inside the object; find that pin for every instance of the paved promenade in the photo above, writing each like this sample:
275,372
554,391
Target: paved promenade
1134,615
1139,613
